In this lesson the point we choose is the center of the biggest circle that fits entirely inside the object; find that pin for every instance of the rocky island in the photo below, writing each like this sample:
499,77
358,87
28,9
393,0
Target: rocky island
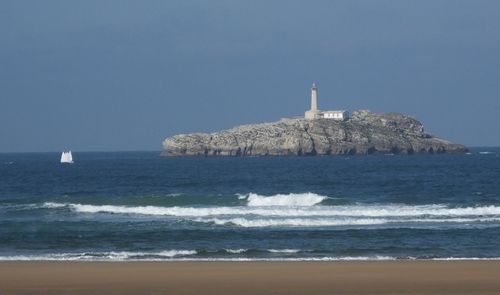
317,133
363,133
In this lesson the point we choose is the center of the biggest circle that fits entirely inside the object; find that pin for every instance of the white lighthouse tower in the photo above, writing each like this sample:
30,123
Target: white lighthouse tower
313,113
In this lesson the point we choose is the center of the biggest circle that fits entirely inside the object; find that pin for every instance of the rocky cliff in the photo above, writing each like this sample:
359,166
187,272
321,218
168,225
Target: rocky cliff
363,133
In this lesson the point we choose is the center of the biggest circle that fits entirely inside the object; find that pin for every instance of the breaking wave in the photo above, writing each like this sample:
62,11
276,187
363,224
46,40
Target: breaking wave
98,256
328,222
341,210
286,251
486,153
191,255
236,251
185,255
265,215
305,199
291,222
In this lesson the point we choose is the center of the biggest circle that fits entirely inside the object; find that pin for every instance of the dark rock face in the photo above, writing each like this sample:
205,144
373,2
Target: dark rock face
362,133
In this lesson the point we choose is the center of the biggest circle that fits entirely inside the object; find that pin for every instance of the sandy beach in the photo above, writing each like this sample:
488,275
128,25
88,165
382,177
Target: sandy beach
389,277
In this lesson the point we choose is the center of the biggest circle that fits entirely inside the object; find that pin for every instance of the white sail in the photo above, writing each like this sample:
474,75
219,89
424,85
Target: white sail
66,157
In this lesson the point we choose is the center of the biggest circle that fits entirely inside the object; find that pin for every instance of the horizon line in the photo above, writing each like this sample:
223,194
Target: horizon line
139,151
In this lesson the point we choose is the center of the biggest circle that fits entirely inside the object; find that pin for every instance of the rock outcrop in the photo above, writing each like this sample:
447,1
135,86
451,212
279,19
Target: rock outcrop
363,133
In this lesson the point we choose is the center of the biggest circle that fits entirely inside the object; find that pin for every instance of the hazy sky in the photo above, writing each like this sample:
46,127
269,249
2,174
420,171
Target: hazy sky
123,75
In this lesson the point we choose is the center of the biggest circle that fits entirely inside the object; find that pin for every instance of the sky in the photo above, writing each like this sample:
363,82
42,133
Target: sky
123,75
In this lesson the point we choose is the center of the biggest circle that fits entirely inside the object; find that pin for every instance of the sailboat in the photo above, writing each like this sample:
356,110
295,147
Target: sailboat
66,157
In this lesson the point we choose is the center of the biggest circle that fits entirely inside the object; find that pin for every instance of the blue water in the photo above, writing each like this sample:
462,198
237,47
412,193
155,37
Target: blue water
137,205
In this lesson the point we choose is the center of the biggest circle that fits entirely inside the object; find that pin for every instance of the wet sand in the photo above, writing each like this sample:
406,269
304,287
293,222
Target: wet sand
355,277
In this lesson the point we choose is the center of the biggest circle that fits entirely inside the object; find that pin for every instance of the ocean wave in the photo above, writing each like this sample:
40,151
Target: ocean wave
140,256
280,251
157,256
328,222
242,196
359,211
236,251
304,199
174,195
112,255
285,251
50,205
291,222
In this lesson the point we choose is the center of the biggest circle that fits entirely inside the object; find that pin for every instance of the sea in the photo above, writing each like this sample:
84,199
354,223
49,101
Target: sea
135,206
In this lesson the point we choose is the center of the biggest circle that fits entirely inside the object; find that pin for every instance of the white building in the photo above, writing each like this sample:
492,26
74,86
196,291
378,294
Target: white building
314,113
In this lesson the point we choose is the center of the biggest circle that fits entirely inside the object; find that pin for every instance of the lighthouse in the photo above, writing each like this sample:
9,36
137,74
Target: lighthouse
314,98
313,112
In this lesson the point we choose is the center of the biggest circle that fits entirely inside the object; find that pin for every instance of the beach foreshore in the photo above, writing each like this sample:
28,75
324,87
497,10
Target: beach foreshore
342,277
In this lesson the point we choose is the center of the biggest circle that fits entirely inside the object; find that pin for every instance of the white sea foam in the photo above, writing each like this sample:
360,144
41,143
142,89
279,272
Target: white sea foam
126,255
292,222
235,251
174,195
304,199
98,256
286,251
363,211
53,205
174,253
242,196
390,215
138,256
328,222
